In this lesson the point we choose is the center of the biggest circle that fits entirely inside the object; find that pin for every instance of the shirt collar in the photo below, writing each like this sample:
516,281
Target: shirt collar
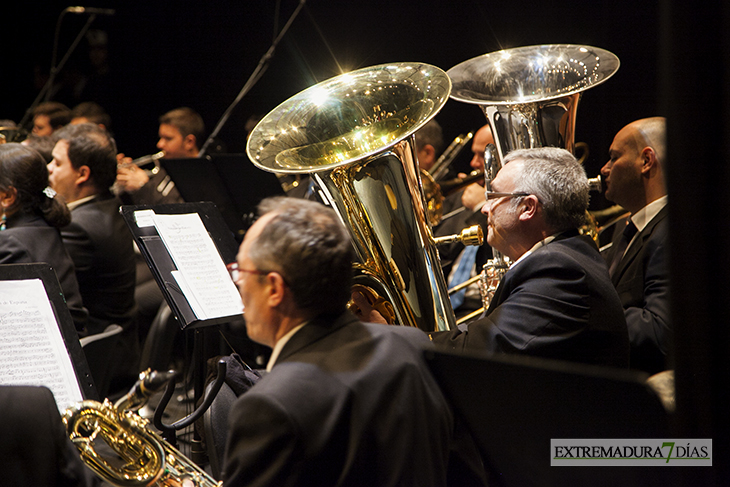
81,201
539,244
642,217
280,345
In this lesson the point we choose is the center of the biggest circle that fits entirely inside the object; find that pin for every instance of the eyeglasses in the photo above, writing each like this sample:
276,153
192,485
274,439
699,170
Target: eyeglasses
235,272
493,195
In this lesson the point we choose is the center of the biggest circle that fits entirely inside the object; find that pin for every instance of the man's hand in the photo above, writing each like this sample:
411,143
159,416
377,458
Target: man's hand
130,178
363,308
473,197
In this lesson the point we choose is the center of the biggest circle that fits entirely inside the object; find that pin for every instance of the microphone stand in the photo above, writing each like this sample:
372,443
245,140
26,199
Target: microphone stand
252,80
45,93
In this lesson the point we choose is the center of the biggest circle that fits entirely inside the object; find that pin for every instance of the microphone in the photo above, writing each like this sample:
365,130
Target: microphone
91,10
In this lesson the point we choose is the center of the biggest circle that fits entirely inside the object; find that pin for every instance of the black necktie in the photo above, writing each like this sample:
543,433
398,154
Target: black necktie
621,245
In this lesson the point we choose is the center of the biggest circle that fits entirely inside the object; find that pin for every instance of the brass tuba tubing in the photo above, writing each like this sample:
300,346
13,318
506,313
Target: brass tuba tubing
530,97
354,134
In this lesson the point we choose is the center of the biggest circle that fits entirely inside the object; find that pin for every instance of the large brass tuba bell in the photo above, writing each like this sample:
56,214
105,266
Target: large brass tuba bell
530,97
354,133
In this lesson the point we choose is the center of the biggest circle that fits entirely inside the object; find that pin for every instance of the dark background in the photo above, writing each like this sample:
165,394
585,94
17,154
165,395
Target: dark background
161,55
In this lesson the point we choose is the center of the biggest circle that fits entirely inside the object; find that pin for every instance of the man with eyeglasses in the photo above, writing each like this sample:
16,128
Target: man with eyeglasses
556,300
344,402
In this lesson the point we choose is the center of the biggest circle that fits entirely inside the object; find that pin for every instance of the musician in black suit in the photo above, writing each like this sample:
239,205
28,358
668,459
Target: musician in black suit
634,179
82,170
34,447
30,217
462,210
556,300
344,402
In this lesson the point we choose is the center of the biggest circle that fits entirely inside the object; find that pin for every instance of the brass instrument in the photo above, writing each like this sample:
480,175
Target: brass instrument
138,456
148,159
354,133
530,98
439,168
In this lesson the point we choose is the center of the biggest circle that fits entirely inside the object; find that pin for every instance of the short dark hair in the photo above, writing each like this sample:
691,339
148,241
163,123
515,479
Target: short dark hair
187,121
306,243
92,146
432,134
24,169
92,112
58,114
43,144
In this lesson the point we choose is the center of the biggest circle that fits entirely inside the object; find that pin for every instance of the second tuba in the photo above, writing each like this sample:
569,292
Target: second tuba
530,97
354,134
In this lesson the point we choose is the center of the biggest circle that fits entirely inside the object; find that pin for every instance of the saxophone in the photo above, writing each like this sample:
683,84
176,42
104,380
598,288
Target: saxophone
139,457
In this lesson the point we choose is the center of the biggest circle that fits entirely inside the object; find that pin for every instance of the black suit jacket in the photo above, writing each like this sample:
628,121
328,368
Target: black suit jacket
100,245
642,282
347,403
557,303
27,239
33,444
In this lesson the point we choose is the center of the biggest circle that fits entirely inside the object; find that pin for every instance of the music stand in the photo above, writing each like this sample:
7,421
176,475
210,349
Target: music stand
514,405
229,180
160,262
44,272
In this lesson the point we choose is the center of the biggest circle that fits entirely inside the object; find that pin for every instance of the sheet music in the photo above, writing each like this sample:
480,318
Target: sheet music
32,350
201,273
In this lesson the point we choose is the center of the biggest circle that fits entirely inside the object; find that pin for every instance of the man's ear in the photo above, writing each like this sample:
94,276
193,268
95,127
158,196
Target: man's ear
528,208
276,288
84,175
648,160
189,142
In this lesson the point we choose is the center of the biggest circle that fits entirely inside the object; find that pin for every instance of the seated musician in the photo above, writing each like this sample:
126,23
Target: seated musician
556,300
344,402
635,179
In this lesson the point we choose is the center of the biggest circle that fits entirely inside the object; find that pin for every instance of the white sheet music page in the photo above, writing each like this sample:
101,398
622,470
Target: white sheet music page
201,273
32,351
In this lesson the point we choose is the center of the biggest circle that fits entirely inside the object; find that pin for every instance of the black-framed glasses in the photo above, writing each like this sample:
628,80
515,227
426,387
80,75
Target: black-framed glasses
493,195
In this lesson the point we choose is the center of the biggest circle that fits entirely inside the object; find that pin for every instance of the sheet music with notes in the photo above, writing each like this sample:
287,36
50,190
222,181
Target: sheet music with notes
32,350
201,273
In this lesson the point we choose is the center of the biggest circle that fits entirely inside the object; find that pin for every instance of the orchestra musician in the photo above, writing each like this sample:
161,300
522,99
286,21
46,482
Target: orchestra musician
50,116
83,170
181,132
556,301
458,265
30,215
634,179
344,402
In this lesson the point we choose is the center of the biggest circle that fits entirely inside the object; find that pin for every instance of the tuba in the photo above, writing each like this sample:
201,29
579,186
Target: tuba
354,134
530,97
120,447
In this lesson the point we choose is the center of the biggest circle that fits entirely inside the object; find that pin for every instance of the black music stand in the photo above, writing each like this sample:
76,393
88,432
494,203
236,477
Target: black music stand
44,272
160,262
514,405
229,180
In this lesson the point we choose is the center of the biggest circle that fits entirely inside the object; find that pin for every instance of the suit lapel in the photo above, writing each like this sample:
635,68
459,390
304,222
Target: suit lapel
637,245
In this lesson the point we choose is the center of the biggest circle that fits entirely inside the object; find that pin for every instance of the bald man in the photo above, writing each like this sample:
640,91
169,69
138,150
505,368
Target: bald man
634,179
